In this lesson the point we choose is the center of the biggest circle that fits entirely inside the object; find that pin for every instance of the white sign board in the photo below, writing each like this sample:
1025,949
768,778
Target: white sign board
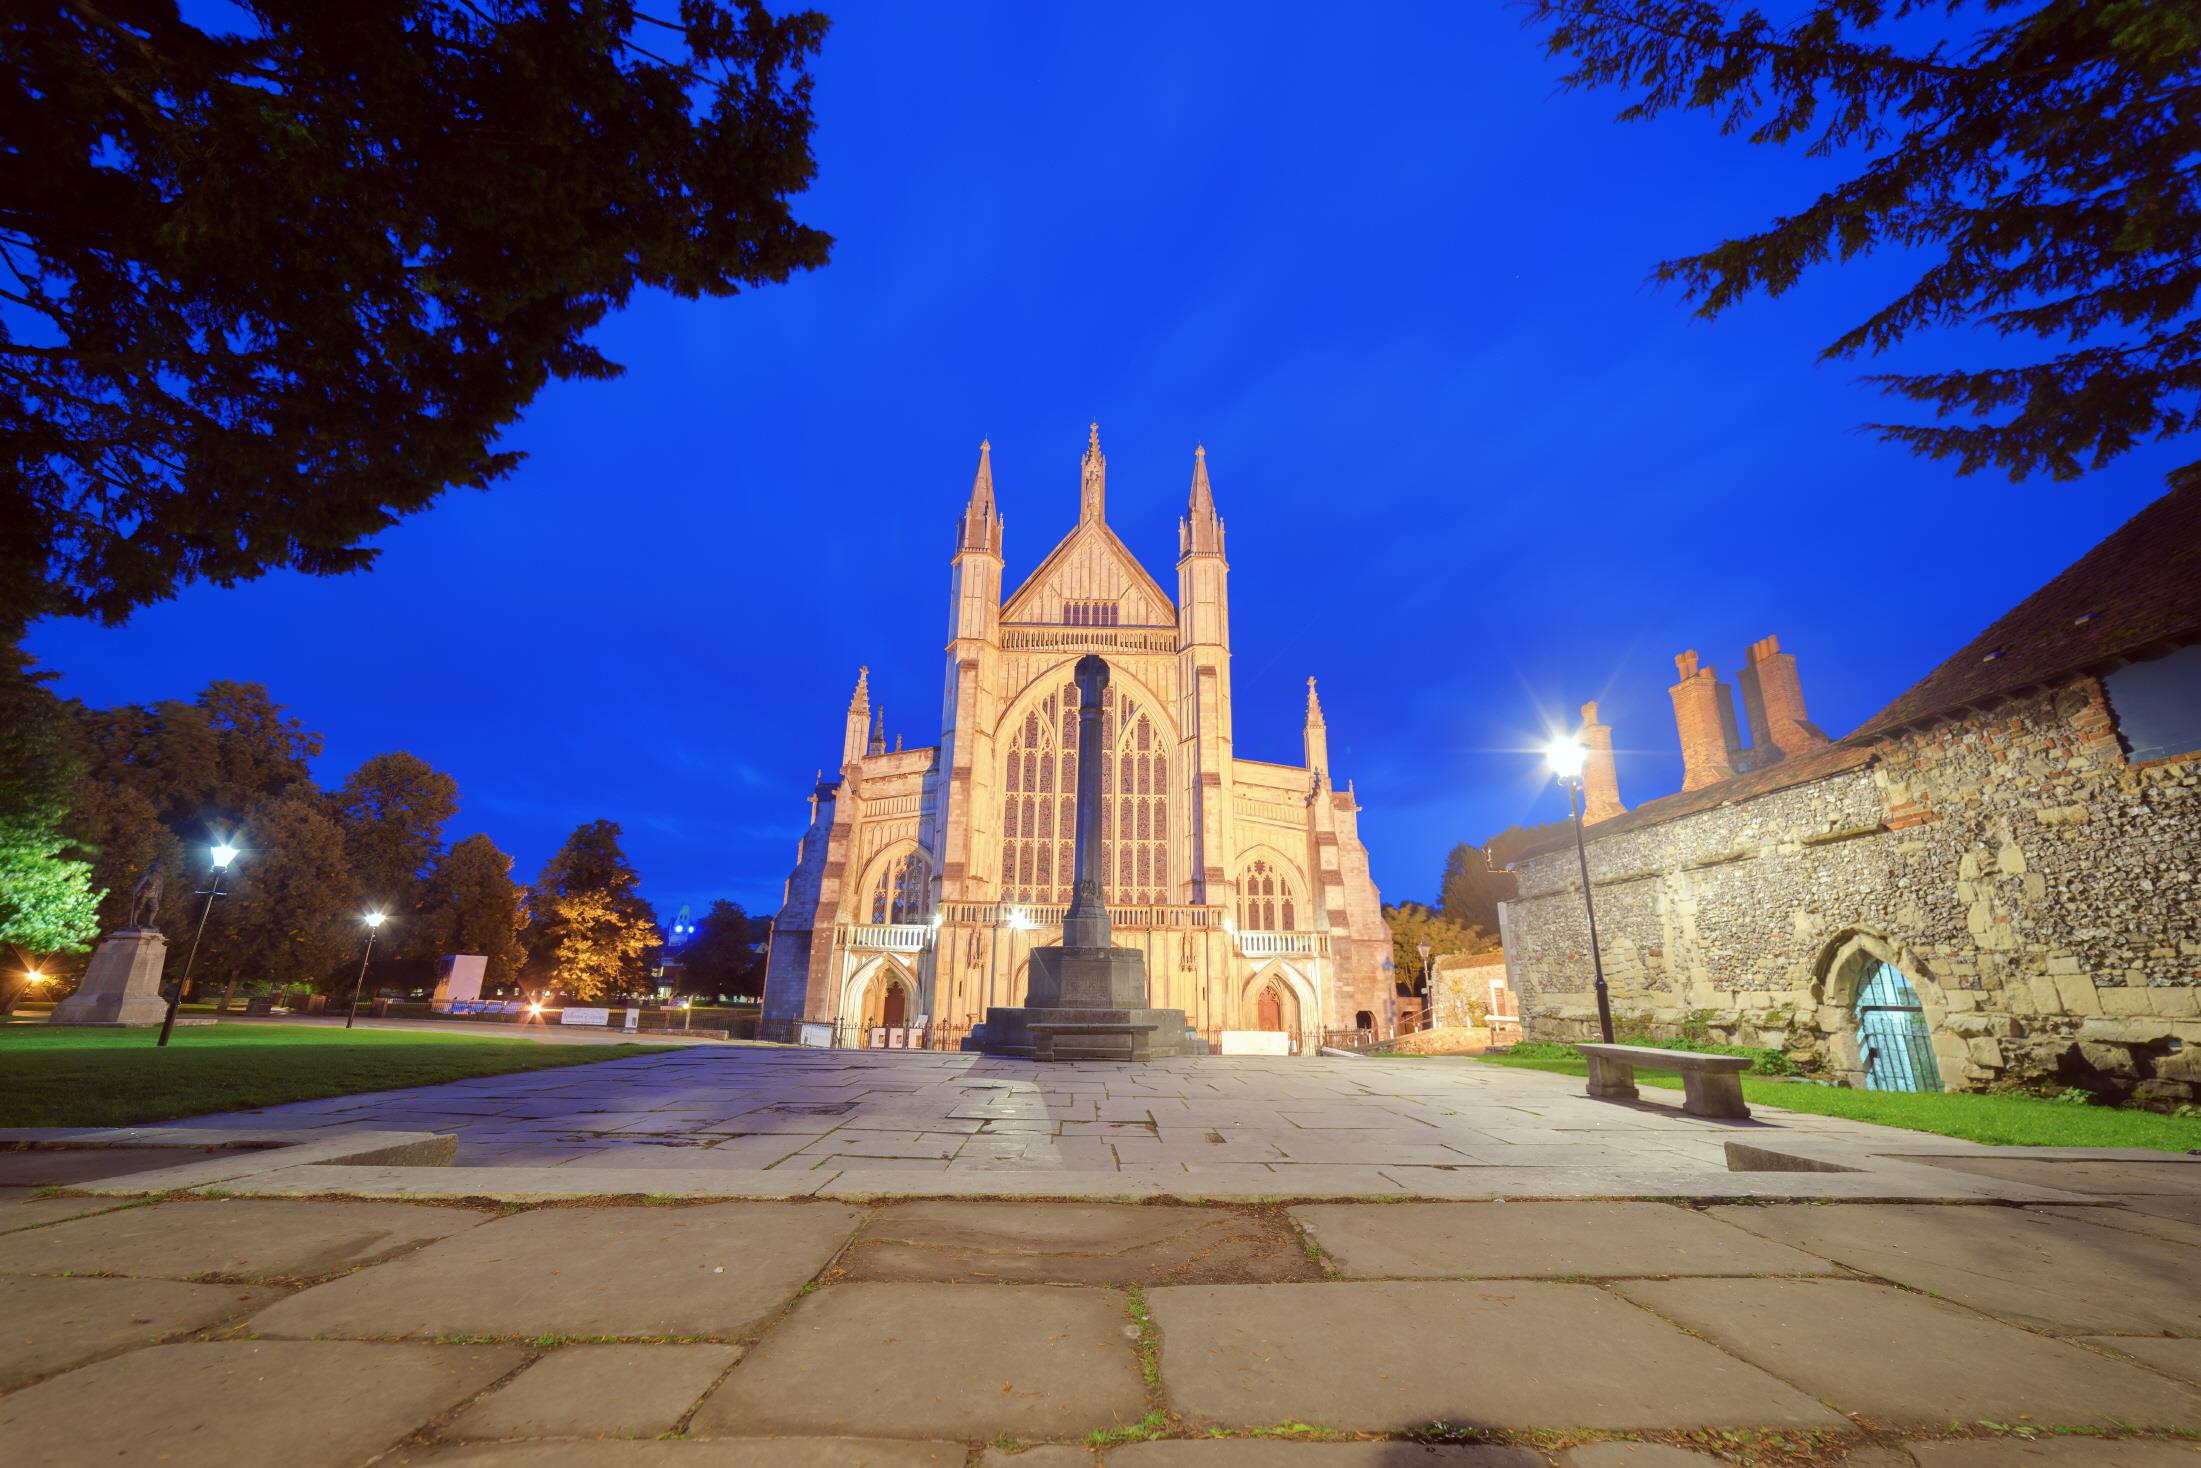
817,1036
634,1018
1256,1042
584,1016
458,979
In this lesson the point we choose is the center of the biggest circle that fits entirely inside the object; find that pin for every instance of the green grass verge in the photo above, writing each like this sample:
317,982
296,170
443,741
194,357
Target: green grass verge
88,1077
2000,1121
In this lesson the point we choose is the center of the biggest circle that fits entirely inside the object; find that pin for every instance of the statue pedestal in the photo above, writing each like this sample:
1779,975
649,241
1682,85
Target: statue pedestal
122,985
1086,1004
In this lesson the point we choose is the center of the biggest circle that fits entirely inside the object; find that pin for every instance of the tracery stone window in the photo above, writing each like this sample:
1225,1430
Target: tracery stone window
1090,613
1038,803
1265,898
903,892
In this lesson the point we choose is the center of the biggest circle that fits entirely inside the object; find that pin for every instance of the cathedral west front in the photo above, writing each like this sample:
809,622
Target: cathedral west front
927,876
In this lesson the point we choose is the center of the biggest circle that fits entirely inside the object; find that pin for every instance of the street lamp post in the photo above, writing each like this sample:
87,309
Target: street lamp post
374,921
222,856
1428,995
1565,757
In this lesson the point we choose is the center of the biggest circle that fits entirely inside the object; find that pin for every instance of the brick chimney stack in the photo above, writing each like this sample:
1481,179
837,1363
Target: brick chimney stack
1705,714
1600,783
1773,698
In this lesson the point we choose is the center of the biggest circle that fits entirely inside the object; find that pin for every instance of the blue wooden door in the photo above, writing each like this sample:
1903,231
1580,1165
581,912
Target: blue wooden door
1891,1034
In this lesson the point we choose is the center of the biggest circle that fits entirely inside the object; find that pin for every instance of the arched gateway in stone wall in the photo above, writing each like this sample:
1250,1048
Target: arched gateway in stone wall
1221,869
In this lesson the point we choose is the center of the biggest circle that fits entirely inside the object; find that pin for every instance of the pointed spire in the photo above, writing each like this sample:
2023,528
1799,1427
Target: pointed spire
1093,486
879,732
858,724
1201,532
860,701
980,527
1317,740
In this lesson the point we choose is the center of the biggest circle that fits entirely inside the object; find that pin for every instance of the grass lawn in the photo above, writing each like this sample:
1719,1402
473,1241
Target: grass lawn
2001,1121
120,1078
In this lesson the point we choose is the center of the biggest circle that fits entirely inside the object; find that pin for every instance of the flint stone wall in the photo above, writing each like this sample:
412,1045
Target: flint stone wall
2038,889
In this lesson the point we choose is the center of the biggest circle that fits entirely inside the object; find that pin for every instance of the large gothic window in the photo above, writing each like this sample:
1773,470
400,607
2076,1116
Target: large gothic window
902,893
1265,898
1039,815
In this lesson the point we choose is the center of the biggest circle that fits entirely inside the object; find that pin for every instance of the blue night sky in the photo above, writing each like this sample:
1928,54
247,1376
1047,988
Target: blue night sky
1475,470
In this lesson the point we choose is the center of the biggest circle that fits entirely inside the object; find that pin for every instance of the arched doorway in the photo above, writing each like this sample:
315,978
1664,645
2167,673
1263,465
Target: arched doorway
1268,1010
1364,1020
894,1013
1894,1046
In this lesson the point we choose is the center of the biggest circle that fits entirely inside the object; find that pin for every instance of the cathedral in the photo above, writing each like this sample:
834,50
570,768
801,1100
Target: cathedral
927,876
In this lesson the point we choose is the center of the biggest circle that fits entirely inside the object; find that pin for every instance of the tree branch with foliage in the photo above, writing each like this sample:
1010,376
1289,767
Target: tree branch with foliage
272,283
2042,169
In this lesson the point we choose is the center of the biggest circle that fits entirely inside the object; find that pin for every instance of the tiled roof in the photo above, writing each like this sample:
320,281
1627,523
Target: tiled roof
2137,590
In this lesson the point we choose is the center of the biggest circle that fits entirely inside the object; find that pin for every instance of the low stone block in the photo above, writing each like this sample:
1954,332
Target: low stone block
924,1360
221,1404
786,1452
2172,1355
598,1391
1257,1452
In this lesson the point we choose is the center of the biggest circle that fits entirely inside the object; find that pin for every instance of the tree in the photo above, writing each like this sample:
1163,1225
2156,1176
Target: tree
473,906
271,288
2041,171
589,931
1471,890
1413,925
723,957
119,830
202,765
290,914
392,810
47,901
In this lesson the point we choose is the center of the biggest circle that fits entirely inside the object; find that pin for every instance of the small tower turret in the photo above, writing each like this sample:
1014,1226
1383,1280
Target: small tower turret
1093,481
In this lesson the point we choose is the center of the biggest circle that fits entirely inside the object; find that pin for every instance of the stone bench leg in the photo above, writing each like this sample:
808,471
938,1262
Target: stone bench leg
1710,1093
1612,1079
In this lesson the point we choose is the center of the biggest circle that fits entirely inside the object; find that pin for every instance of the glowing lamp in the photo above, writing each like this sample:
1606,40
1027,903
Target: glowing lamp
223,855
1565,756
375,919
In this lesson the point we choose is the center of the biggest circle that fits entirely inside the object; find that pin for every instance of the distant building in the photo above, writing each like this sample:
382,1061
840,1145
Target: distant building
927,875
1996,879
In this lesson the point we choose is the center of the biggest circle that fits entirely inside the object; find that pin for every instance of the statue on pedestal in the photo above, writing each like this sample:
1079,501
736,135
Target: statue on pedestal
1087,999
121,985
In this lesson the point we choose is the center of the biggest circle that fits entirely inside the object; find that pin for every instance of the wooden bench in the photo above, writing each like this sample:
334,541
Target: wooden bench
1711,1085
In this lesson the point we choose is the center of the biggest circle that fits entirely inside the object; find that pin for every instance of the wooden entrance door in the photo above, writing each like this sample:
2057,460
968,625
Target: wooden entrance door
1269,1010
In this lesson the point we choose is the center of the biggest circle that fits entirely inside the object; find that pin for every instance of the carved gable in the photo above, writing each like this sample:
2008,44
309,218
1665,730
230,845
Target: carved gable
1090,570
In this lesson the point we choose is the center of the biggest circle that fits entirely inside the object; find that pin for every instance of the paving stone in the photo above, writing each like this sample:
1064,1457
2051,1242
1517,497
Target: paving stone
222,1404
2057,1452
18,1209
49,1324
1499,1240
1073,1243
231,1239
717,1270
2169,1176
786,1452
1045,1455
1901,1358
2010,1262
1255,1452
930,1360
598,1391
2174,1356
1397,1357
46,1167
2133,1220
2183,1207
1633,1455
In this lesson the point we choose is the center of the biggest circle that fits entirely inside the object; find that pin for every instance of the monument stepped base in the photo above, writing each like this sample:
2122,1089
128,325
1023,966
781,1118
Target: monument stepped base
1058,1032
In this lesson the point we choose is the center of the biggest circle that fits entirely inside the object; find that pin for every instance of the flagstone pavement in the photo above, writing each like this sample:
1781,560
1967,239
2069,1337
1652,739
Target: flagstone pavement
2035,1310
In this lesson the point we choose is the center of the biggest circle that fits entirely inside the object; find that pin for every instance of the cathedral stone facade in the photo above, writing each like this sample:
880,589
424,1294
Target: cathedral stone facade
927,876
